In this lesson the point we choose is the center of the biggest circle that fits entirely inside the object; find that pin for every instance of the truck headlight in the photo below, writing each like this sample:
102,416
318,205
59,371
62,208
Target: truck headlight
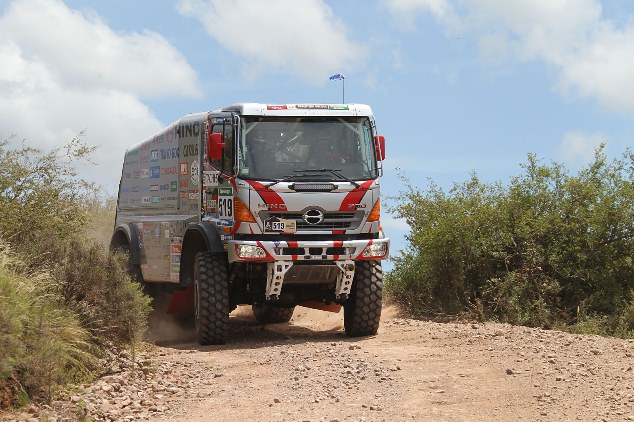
375,250
250,251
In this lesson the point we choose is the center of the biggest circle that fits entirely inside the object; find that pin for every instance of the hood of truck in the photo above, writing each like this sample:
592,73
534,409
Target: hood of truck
343,210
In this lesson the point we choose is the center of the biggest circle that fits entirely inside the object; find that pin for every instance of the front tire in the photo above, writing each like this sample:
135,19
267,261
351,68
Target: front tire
269,314
211,298
362,310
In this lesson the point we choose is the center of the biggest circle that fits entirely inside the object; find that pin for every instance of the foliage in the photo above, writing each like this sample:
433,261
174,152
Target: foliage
549,248
41,196
44,344
97,286
63,298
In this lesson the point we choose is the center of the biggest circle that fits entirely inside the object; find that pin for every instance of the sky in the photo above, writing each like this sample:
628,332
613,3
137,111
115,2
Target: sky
456,86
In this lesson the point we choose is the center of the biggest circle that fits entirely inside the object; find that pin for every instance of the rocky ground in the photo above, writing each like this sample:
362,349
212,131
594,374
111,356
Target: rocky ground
412,370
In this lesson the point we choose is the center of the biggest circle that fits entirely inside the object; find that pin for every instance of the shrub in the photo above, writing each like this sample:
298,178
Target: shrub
41,197
96,284
44,344
549,248
63,298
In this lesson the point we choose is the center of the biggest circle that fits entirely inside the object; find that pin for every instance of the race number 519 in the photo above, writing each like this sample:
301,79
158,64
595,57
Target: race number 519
225,203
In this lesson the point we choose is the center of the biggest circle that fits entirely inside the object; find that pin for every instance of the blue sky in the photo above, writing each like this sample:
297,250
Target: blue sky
456,85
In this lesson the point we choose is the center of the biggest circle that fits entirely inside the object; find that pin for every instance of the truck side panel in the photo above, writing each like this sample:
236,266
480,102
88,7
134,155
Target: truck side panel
160,194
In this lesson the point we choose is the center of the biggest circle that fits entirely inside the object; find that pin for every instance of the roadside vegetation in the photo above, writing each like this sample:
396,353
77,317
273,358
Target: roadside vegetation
64,301
551,248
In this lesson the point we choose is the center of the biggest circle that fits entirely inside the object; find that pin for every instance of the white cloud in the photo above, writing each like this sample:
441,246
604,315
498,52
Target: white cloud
301,38
84,52
406,11
590,54
604,69
63,71
577,148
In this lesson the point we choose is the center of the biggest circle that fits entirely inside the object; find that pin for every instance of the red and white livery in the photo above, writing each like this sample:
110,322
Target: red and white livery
269,205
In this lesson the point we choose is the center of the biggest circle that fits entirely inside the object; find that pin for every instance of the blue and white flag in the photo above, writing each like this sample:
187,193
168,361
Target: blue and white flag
337,77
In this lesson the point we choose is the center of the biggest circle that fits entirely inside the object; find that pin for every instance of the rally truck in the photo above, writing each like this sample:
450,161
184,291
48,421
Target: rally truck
272,206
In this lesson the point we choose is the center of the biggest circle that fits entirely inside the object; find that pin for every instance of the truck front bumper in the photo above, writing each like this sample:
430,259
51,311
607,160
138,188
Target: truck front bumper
331,250
322,261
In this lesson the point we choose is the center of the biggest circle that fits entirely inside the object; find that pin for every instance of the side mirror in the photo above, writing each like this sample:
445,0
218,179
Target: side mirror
379,144
215,146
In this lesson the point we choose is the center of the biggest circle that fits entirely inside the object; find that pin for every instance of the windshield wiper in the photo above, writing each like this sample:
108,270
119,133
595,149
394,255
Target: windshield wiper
336,173
333,171
290,177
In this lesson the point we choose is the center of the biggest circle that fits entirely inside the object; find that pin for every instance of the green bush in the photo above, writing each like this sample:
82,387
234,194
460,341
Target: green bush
44,343
97,286
63,298
41,197
547,249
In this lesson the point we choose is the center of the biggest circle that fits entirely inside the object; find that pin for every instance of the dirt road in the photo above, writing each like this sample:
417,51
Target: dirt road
412,370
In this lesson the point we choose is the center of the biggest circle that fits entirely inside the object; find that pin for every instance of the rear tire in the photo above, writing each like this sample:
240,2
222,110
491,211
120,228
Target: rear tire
211,298
362,310
270,314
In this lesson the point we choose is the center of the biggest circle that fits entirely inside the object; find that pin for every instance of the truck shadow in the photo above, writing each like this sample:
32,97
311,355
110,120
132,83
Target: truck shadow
306,326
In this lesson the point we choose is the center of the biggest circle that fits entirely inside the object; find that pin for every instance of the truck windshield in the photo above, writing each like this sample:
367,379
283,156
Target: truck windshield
274,148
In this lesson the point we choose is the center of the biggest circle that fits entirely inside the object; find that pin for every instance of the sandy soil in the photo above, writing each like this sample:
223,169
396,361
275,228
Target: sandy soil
308,370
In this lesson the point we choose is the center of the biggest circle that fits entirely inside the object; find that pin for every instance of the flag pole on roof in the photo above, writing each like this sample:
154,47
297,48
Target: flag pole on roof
342,78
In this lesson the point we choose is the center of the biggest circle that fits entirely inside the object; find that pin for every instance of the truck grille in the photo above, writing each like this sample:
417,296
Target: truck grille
316,251
340,220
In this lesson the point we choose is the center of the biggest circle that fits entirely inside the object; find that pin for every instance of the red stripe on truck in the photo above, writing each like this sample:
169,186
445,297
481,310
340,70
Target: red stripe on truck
268,195
355,196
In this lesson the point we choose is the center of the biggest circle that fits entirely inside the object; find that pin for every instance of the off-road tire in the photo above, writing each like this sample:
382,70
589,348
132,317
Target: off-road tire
362,310
211,298
269,314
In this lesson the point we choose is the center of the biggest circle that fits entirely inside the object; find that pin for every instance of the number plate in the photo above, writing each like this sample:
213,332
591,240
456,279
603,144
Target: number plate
279,225
225,203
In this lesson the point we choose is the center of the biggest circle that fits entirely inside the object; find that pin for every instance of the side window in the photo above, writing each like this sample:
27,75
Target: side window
226,164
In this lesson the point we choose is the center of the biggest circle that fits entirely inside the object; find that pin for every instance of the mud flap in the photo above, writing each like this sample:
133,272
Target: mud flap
181,301
333,307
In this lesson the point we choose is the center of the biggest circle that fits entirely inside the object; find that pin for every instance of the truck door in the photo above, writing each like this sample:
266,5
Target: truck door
218,175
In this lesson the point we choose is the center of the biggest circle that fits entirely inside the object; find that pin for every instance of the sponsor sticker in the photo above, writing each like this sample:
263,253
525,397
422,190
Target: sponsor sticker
210,178
173,186
154,155
184,169
156,172
193,169
154,188
145,199
166,171
145,173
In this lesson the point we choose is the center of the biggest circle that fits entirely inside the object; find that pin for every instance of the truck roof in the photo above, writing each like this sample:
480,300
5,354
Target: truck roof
258,109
